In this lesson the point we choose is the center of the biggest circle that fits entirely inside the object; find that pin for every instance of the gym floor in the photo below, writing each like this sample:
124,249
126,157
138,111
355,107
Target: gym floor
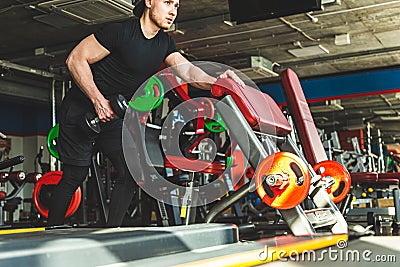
193,245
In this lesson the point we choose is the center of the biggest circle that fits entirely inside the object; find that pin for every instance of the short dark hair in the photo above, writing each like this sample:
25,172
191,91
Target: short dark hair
139,8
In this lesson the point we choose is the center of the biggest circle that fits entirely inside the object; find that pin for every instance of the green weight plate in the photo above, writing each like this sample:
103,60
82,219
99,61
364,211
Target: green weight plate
228,162
51,140
149,100
217,126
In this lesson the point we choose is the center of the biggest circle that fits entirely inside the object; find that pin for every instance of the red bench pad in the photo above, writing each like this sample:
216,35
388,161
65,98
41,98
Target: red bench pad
314,150
259,109
364,177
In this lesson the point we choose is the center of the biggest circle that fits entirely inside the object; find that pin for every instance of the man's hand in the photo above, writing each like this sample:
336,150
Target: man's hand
104,110
232,75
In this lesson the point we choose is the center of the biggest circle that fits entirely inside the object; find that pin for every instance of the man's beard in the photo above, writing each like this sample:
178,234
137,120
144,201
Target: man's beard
159,25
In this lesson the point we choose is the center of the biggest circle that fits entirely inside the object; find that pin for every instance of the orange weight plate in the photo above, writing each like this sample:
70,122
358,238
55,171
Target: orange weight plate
339,190
282,180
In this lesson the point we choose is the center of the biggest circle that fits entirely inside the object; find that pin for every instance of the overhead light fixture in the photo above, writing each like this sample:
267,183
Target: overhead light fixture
180,32
174,29
355,127
385,118
331,2
226,18
329,123
326,108
330,105
321,119
309,51
229,23
311,17
384,112
41,51
255,67
342,39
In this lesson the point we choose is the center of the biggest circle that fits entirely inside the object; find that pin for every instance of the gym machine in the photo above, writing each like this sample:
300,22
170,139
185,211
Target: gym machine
9,199
283,177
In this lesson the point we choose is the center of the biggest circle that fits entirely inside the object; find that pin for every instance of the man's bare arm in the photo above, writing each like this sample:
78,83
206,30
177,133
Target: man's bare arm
87,52
189,72
194,75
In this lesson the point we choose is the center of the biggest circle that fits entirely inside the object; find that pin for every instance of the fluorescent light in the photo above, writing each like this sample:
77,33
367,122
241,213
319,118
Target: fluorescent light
342,39
309,51
311,17
326,108
384,112
386,118
229,23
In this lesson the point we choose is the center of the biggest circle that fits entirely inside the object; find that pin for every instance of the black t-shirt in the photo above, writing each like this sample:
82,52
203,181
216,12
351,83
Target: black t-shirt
132,60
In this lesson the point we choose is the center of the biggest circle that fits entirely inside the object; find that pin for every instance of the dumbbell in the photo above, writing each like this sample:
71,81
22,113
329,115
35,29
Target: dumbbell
3,177
33,177
150,97
119,106
17,176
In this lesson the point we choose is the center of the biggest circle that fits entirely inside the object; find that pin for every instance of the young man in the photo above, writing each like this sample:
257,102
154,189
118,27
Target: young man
115,60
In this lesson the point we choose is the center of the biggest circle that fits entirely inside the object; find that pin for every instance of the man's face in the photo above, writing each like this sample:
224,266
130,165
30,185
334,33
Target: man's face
163,12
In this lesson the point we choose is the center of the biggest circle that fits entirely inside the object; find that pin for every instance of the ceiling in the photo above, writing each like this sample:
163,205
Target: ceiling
35,40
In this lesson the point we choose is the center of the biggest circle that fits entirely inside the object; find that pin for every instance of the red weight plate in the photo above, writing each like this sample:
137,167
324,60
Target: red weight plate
52,178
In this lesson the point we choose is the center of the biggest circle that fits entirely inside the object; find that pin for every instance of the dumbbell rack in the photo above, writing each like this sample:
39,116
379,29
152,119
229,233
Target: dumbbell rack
16,179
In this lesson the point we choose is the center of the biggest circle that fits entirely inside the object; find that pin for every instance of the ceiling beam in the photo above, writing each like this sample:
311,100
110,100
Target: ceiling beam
24,91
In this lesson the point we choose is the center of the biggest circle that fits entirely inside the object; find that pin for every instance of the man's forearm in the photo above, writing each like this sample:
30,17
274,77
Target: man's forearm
201,79
82,75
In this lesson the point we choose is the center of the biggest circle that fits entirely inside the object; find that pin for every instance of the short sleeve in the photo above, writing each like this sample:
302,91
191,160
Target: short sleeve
171,47
110,35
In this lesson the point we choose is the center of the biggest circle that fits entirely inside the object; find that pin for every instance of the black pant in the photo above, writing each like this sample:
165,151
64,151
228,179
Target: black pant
75,147
72,178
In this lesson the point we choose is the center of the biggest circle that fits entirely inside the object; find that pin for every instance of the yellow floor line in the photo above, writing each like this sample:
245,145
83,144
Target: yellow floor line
252,258
19,231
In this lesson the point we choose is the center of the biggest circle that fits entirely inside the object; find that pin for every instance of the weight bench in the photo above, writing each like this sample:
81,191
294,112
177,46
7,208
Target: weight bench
313,148
247,111
389,175
311,144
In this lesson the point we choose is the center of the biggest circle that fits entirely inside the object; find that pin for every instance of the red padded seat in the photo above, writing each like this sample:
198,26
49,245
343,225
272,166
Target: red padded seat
194,165
374,178
364,177
259,109
389,175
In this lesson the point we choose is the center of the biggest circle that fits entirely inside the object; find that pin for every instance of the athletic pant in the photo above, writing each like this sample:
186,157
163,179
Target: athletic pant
72,178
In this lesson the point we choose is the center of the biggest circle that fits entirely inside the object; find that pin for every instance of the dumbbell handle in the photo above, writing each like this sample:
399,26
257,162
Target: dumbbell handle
95,120
118,106
11,162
